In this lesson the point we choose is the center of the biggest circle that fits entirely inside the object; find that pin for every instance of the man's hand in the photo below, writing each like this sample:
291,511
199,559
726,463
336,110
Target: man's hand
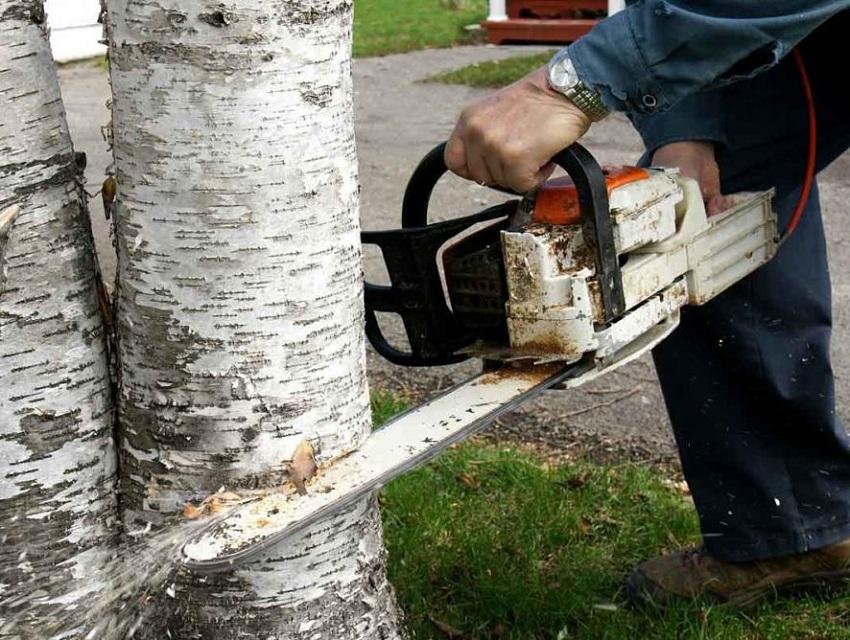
509,137
696,160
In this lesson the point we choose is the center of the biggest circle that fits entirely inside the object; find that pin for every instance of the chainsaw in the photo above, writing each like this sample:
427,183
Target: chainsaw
583,275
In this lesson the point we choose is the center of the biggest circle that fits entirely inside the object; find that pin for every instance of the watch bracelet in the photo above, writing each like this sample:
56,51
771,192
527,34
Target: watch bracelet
589,102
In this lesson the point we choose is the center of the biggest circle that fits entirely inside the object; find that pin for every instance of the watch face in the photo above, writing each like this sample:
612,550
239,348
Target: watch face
562,74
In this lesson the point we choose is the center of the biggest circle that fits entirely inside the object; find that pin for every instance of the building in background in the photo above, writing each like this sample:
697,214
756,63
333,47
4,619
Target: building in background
74,31
557,21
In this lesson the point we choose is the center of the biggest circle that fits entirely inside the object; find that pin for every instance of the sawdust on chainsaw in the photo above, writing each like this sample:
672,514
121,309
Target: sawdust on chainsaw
520,371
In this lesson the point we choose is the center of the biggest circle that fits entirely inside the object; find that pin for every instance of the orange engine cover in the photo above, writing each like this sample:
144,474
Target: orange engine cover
556,201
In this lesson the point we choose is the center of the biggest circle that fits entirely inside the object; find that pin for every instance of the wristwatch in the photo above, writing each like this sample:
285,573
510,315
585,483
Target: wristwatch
563,78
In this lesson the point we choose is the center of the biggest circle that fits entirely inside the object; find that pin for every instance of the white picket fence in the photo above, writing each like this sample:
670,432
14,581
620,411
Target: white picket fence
74,31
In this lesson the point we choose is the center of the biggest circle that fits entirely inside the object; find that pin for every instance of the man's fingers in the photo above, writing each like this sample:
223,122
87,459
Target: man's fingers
545,172
521,174
496,170
715,201
477,166
697,160
718,204
455,156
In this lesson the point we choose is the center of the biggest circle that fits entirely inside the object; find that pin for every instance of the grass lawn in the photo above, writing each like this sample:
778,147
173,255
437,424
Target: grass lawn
488,542
395,26
496,73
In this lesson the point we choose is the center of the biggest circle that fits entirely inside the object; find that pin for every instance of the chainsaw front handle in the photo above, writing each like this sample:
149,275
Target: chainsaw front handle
420,187
592,190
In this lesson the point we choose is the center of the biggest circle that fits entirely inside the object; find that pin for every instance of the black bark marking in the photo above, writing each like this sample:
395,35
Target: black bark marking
176,18
44,433
250,434
301,15
67,171
317,96
81,161
219,19
139,56
31,11
59,160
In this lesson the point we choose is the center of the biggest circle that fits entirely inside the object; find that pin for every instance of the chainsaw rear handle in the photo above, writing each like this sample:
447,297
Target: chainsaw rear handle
410,253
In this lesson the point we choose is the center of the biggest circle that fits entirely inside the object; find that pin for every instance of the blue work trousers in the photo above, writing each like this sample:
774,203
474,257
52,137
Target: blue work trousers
747,378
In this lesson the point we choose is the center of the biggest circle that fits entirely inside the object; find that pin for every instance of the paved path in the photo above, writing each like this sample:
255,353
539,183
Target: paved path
398,119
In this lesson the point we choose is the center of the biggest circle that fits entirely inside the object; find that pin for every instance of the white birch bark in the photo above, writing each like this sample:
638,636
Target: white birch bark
57,460
239,296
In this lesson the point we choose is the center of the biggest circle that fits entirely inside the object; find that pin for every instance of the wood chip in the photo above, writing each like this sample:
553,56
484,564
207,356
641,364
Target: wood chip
216,503
468,480
191,512
7,217
302,467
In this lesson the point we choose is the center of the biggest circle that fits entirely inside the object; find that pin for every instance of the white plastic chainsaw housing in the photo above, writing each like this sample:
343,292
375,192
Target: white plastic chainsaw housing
671,252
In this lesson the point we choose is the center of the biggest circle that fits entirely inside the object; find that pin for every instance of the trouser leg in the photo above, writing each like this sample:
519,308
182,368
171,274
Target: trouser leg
747,378
749,388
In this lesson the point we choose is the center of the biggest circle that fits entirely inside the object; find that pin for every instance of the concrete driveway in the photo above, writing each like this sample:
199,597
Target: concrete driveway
398,119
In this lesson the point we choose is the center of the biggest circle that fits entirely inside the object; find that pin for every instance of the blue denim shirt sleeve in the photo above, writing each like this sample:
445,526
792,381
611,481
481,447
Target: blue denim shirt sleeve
655,53
699,116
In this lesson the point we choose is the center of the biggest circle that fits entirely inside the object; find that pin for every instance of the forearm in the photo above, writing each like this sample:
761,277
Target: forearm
655,53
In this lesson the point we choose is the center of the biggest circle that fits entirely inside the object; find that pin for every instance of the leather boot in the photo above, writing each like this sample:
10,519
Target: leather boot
692,574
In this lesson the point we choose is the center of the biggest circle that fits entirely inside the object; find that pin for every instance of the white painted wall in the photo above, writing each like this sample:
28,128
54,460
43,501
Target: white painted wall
74,31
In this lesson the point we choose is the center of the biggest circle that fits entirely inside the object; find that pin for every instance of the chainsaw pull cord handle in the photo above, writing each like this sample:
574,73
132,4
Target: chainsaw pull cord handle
592,190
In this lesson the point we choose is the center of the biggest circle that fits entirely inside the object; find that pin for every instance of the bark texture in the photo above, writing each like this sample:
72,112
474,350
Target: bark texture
239,296
57,460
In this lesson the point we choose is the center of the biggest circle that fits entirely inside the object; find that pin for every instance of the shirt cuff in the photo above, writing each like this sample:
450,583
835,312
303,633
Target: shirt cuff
608,59
700,116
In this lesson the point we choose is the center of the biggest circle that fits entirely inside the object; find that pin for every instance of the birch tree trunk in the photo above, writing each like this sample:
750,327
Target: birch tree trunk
239,296
57,460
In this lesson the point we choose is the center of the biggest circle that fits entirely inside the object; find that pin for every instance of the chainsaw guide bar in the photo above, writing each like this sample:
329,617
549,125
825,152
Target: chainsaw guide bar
406,442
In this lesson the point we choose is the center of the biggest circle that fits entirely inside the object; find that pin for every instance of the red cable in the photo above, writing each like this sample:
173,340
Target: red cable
811,164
